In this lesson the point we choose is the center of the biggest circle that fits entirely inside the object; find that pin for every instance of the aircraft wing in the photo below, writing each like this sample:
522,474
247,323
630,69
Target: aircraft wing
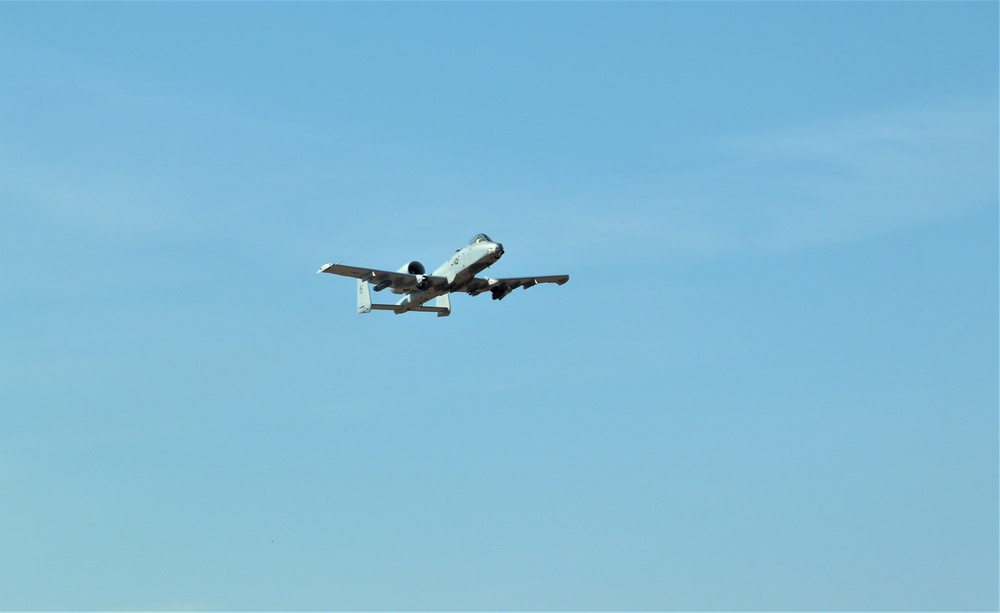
501,287
383,278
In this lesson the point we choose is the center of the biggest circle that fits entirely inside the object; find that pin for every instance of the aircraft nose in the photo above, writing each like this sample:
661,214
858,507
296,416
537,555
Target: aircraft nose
498,249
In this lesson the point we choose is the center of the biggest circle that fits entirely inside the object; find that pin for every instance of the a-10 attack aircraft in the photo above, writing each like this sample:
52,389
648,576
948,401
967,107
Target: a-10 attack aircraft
458,274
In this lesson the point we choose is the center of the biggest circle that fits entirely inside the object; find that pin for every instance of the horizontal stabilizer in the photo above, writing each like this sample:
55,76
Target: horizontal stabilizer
441,311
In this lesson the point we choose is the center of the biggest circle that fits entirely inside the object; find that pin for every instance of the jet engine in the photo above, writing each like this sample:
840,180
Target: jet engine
413,268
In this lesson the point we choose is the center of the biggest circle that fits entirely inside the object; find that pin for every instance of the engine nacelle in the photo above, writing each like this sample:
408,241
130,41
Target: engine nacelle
413,268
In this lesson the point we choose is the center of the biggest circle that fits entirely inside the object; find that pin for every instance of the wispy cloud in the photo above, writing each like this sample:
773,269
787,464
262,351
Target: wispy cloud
810,185
89,198
183,606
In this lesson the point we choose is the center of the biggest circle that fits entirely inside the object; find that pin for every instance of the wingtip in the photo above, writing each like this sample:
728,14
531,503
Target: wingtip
323,268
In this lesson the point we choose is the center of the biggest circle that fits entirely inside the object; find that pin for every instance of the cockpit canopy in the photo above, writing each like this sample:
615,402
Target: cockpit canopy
480,238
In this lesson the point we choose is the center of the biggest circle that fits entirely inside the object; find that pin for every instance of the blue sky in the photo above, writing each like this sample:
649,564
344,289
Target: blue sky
771,383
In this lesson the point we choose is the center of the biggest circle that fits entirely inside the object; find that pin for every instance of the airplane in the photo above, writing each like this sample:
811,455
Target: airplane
418,288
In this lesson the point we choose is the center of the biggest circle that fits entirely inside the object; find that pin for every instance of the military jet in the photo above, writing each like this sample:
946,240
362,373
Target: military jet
418,288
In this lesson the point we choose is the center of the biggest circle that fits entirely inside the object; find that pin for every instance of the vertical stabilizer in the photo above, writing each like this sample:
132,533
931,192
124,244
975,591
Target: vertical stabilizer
443,302
364,297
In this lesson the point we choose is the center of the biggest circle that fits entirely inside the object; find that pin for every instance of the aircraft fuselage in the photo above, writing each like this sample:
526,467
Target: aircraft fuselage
461,268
